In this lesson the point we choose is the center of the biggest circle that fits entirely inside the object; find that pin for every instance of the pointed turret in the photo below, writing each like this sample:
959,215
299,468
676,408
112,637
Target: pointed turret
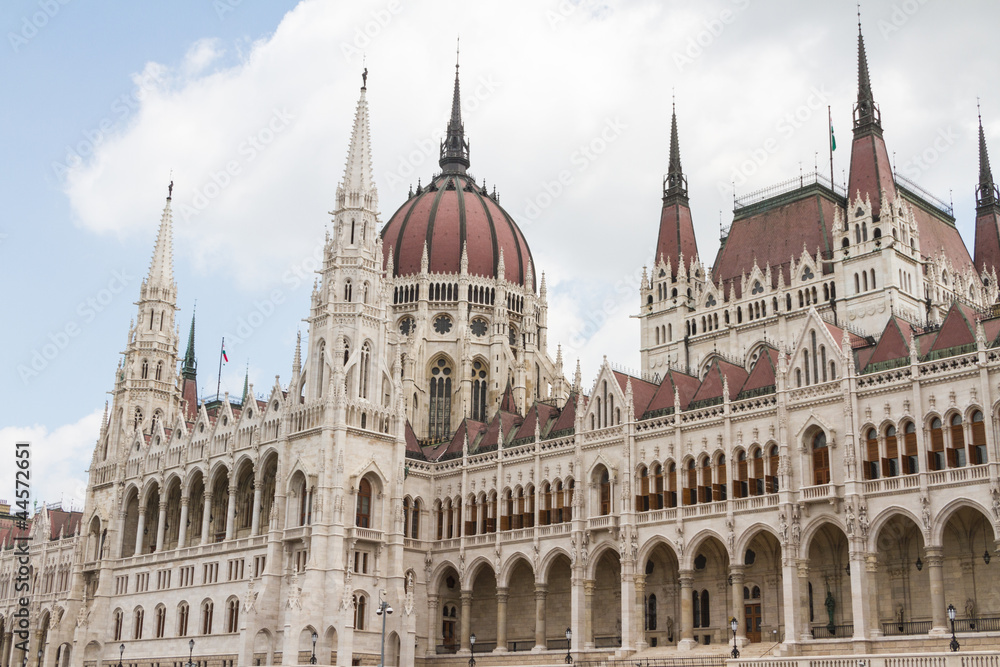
190,366
246,386
676,237
161,266
189,375
455,148
987,211
357,190
871,171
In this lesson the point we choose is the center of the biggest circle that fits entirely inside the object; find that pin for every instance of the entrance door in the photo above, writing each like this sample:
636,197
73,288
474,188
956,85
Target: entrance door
753,622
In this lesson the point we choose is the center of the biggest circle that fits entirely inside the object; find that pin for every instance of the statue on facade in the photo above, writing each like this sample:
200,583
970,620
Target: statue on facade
831,606
250,601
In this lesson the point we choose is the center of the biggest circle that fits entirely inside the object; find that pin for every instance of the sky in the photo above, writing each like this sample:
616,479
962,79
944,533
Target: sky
248,106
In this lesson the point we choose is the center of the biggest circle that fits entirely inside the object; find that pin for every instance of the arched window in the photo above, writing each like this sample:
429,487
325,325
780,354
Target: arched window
320,367
741,480
439,418
691,489
696,608
233,616
605,493
159,370
363,518
642,499
935,457
910,465
366,367
821,459
359,612
161,620
479,384
657,495
183,612
145,369
119,621
771,481
956,449
137,620
871,466
977,448
670,495
207,609
348,290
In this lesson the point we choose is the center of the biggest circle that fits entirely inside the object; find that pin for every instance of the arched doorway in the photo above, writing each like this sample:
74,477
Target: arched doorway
521,596
971,579
330,641
558,603
447,624
660,596
306,645
901,579
710,607
484,608
829,598
263,648
391,650
92,654
606,627
761,593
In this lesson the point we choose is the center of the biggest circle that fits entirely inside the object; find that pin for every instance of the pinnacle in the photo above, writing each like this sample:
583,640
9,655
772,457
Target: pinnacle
357,189
985,173
161,266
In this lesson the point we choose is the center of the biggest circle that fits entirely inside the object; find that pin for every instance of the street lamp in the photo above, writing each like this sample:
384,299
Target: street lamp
121,653
569,637
951,617
383,610
312,658
190,653
472,650
734,624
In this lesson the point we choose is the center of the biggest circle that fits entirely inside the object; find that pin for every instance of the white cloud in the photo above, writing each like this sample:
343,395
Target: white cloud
57,459
540,82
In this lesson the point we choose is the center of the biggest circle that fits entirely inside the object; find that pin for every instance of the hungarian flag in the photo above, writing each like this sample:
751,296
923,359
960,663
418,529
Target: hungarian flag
833,140
225,357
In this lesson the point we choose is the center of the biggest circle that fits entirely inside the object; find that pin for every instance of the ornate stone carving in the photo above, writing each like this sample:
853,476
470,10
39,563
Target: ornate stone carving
250,600
294,601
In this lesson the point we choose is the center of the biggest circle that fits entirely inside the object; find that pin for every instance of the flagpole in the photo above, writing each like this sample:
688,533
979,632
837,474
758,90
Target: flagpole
222,351
829,142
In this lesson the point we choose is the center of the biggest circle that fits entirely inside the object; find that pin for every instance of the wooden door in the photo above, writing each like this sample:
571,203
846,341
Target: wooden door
753,622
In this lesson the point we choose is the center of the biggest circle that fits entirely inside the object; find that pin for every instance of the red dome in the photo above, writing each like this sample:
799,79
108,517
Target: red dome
451,211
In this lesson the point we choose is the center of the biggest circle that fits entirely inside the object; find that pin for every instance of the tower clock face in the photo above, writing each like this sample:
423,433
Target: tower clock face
478,327
442,324
406,326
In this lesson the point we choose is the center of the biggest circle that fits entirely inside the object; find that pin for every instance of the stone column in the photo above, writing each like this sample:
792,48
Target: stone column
206,518
859,594
161,525
255,527
739,610
432,625
139,529
466,621
541,590
935,570
182,529
588,618
502,596
231,513
640,617
686,579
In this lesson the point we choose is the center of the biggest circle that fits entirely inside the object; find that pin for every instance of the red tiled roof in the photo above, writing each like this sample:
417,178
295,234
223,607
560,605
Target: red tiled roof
988,240
764,372
936,233
567,416
687,387
871,171
411,439
527,429
957,329
676,236
67,522
642,392
894,343
772,237
711,386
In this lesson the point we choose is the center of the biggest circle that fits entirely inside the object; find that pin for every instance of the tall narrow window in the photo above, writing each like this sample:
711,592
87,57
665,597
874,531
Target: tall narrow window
359,612
871,455
364,514
182,619
605,493
956,450
977,448
706,620
890,464
935,457
821,459
320,367
439,418
910,466
479,383
366,366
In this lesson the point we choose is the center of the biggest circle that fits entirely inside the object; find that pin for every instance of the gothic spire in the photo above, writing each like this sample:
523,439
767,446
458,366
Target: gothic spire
246,385
675,183
189,368
866,113
357,189
986,193
455,148
161,266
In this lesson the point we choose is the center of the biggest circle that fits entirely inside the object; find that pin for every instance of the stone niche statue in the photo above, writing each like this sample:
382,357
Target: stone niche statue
831,606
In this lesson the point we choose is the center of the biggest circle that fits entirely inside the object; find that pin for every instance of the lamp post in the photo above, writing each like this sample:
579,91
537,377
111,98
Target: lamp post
312,658
569,638
121,653
383,610
734,624
951,617
190,653
472,650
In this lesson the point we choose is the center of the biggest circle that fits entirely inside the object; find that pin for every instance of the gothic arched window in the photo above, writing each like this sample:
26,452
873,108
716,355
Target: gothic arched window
478,391
439,417
363,519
